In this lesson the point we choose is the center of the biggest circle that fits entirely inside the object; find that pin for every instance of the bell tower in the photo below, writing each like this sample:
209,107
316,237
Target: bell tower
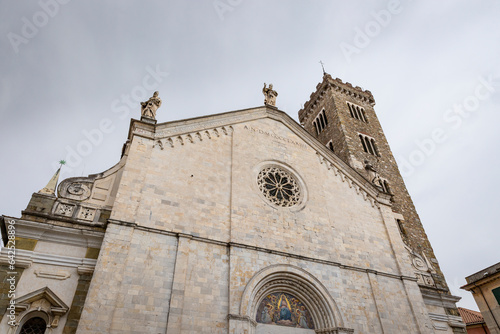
343,118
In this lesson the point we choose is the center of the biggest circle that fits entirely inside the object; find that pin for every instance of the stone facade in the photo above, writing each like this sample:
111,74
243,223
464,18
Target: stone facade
202,219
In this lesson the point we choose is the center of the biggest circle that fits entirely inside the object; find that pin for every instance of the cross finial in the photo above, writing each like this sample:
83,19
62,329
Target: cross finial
323,67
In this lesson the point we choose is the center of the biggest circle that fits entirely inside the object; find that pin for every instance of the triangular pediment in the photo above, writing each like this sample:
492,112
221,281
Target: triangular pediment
178,133
56,304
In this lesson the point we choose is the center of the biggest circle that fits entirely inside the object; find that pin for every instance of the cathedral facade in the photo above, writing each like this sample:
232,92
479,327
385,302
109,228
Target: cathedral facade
242,222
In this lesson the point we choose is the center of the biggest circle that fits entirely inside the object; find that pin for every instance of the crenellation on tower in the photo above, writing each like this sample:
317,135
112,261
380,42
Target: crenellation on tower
346,88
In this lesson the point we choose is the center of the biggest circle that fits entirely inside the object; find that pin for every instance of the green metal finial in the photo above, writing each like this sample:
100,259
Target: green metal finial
62,162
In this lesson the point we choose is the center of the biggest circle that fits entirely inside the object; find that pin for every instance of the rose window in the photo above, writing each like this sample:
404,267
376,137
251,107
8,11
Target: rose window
279,186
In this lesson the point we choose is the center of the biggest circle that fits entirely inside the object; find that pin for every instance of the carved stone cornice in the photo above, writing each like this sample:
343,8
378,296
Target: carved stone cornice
436,298
193,137
53,219
25,258
45,231
487,276
85,270
335,330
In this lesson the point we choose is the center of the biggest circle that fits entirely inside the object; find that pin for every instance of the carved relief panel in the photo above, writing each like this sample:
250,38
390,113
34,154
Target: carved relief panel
76,188
63,209
86,213
423,269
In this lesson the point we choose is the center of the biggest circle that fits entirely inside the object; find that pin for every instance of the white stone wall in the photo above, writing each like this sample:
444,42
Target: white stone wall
132,283
191,230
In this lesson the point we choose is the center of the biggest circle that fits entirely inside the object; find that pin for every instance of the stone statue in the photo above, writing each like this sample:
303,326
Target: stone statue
373,174
269,95
148,108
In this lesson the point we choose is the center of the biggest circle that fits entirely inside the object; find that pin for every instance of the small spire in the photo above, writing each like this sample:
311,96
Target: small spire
50,188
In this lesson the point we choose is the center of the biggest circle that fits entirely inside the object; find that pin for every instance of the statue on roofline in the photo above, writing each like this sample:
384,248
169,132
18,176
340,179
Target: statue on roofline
148,108
269,95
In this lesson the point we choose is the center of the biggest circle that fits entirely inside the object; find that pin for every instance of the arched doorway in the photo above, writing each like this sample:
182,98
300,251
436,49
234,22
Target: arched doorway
287,299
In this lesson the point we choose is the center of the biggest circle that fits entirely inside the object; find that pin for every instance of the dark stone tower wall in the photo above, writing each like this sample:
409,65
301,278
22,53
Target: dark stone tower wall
332,95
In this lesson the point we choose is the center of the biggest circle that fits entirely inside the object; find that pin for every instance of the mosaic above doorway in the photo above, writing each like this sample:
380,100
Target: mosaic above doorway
283,309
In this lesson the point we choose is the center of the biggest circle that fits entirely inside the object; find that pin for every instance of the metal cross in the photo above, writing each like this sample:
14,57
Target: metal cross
323,67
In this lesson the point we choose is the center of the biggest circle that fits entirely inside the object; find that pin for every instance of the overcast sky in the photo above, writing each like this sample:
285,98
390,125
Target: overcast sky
432,66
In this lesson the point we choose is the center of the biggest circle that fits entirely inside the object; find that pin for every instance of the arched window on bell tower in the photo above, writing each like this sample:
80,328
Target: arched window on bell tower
320,122
357,112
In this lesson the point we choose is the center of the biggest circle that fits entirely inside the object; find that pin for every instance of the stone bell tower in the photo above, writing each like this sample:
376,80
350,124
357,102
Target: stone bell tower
343,118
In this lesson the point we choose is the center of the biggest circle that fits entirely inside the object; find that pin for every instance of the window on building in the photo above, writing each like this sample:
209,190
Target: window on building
357,112
34,325
369,145
320,122
316,127
323,115
496,293
330,145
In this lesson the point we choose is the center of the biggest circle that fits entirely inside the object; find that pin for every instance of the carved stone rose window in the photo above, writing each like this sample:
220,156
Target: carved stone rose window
279,186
